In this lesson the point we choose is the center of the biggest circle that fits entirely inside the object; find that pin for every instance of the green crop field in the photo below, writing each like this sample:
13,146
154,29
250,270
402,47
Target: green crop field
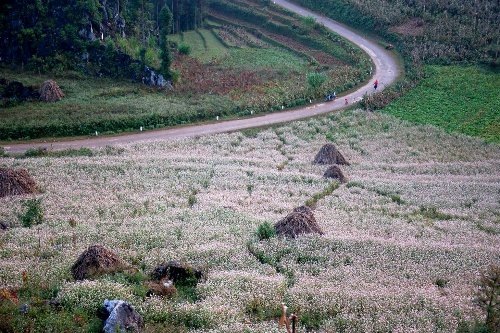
214,48
456,98
276,58
203,45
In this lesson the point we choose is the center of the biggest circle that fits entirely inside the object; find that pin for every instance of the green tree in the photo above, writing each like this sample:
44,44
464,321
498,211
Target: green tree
165,27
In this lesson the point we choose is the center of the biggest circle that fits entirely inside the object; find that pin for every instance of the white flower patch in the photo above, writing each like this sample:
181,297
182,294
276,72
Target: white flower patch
404,239
90,295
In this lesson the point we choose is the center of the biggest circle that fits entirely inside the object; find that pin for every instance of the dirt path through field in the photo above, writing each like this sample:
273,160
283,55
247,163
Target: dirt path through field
386,71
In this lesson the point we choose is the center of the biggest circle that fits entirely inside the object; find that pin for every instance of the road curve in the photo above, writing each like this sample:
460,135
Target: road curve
386,71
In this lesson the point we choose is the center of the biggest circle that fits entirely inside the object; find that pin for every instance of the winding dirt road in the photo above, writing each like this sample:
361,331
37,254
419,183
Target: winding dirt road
386,71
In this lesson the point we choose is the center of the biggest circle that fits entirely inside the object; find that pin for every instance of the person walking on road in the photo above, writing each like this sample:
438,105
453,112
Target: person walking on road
375,84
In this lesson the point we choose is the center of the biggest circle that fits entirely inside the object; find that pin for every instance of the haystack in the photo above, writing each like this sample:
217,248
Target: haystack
300,221
16,182
95,261
50,91
335,172
329,154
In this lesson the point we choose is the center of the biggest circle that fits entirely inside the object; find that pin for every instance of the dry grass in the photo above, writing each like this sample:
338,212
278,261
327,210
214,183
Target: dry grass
299,222
95,261
50,91
16,182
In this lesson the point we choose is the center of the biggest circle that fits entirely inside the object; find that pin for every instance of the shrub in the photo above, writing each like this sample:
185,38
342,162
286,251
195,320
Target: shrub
192,200
36,152
475,327
2,152
71,152
265,231
175,76
441,283
309,21
261,310
311,202
397,199
315,80
355,184
113,151
34,213
433,213
184,49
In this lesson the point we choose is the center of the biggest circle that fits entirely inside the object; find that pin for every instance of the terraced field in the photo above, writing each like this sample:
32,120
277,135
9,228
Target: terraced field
404,239
203,45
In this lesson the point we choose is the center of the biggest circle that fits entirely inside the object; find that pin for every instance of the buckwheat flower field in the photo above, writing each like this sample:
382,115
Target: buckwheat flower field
405,238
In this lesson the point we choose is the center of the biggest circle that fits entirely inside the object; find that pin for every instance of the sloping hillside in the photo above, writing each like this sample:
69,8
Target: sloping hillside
404,239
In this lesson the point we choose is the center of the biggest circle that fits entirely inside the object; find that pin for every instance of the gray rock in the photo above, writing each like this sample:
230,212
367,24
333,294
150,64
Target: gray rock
122,318
151,78
88,34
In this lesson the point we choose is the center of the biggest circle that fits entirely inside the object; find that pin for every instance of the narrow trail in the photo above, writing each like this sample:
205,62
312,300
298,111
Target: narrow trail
386,71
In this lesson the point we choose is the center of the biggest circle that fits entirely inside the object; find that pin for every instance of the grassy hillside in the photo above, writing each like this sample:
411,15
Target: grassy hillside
235,67
404,239
458,99
106,106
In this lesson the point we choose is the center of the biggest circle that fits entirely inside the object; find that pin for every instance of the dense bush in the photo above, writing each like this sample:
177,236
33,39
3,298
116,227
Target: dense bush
265,231
33,213
488,296
184,49
59,35
109,125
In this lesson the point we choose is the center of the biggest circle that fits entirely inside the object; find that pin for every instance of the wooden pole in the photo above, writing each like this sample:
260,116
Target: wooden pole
294,322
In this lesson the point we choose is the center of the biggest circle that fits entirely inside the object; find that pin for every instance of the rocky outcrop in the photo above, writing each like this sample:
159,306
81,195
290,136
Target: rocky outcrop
122,318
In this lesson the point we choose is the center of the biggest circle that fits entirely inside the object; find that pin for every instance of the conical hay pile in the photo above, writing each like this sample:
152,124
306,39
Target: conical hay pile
300,221
95,261
50,91
16,182
335,172
329,154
